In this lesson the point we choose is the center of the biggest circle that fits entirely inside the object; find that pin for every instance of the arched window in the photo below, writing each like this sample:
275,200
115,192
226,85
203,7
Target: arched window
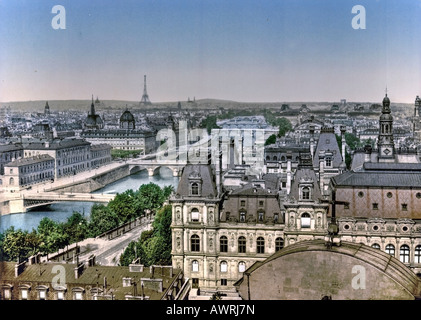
275,158
305,193
375,246
267,158
279,243
195,214
417,254
195,243
223,244
305,220
242,243
241,266
224,266
260,245
390,249
283,158
404,254
195,188
195,266
11,181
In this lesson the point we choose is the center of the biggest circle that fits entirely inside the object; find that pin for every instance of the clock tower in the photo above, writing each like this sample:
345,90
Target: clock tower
385,143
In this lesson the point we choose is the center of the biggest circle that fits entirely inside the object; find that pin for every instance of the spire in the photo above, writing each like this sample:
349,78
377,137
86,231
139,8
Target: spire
92,106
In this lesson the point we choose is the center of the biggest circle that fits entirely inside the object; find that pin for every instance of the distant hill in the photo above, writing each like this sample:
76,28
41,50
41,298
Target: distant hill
201,104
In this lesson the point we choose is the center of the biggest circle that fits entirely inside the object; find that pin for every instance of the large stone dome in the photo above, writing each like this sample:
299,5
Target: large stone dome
127,120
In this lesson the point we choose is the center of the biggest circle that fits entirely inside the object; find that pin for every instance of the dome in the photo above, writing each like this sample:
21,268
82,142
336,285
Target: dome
386,101
127,116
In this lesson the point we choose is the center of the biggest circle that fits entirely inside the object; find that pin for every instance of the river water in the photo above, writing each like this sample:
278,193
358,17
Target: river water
62,210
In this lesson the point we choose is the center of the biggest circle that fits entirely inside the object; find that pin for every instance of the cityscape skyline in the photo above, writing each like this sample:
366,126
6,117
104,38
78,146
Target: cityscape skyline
242,51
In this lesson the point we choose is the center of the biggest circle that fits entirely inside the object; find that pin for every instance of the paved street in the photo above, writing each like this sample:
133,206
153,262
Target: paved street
107,252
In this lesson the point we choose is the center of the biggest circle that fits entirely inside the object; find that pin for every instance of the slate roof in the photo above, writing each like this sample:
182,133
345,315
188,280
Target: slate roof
57,144
378,179
208,183
30,160
90,276
327,141
10,147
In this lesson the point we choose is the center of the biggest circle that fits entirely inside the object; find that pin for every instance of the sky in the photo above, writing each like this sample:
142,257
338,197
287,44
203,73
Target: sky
241,50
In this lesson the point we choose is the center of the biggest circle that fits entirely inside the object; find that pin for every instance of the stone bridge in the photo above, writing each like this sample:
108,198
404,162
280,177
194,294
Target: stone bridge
32,200
153,166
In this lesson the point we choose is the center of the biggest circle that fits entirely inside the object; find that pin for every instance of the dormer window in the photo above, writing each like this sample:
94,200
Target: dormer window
194,189
328,161
305,193
242,216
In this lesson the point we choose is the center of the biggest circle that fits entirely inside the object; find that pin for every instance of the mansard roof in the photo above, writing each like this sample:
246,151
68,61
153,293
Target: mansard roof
208,183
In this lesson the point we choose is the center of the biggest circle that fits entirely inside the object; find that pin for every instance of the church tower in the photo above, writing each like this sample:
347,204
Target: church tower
385,144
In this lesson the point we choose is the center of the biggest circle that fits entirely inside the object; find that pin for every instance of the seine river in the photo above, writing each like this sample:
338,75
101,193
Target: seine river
62,210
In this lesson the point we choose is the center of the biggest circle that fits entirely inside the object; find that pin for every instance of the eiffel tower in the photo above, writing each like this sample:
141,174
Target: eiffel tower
145,98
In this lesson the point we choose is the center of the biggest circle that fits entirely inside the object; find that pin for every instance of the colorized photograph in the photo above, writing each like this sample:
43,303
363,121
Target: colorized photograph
210,150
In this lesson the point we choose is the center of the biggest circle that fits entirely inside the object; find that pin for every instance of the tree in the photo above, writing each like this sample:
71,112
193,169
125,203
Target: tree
102,219
154,246
284,126
271,140
76,227
18,244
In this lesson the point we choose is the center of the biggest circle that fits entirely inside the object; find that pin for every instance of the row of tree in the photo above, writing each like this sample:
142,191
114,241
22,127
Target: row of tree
51,235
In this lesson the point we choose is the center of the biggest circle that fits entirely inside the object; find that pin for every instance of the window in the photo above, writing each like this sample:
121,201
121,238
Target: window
404,207
261,215
195,214
60,295
24,294
305,220
346,205
404,254
242,216
279,243
195,266
417,254
390,249
305,193
42,295
241,266
260,245
78,296
195,243
127,282
11,181
242,244
223,282
224,266
375,246
328,161
375,206
389,195
261,203
195,188
243,203
223,244
7,294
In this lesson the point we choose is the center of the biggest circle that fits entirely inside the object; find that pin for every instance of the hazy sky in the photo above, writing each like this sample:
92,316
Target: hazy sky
260,50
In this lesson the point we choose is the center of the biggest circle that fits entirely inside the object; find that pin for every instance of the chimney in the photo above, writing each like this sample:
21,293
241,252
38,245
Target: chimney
343,130
19,267
321,169
312,145
289,158
79,269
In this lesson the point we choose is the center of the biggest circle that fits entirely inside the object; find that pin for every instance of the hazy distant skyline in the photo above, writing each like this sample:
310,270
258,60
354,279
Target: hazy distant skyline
249,51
